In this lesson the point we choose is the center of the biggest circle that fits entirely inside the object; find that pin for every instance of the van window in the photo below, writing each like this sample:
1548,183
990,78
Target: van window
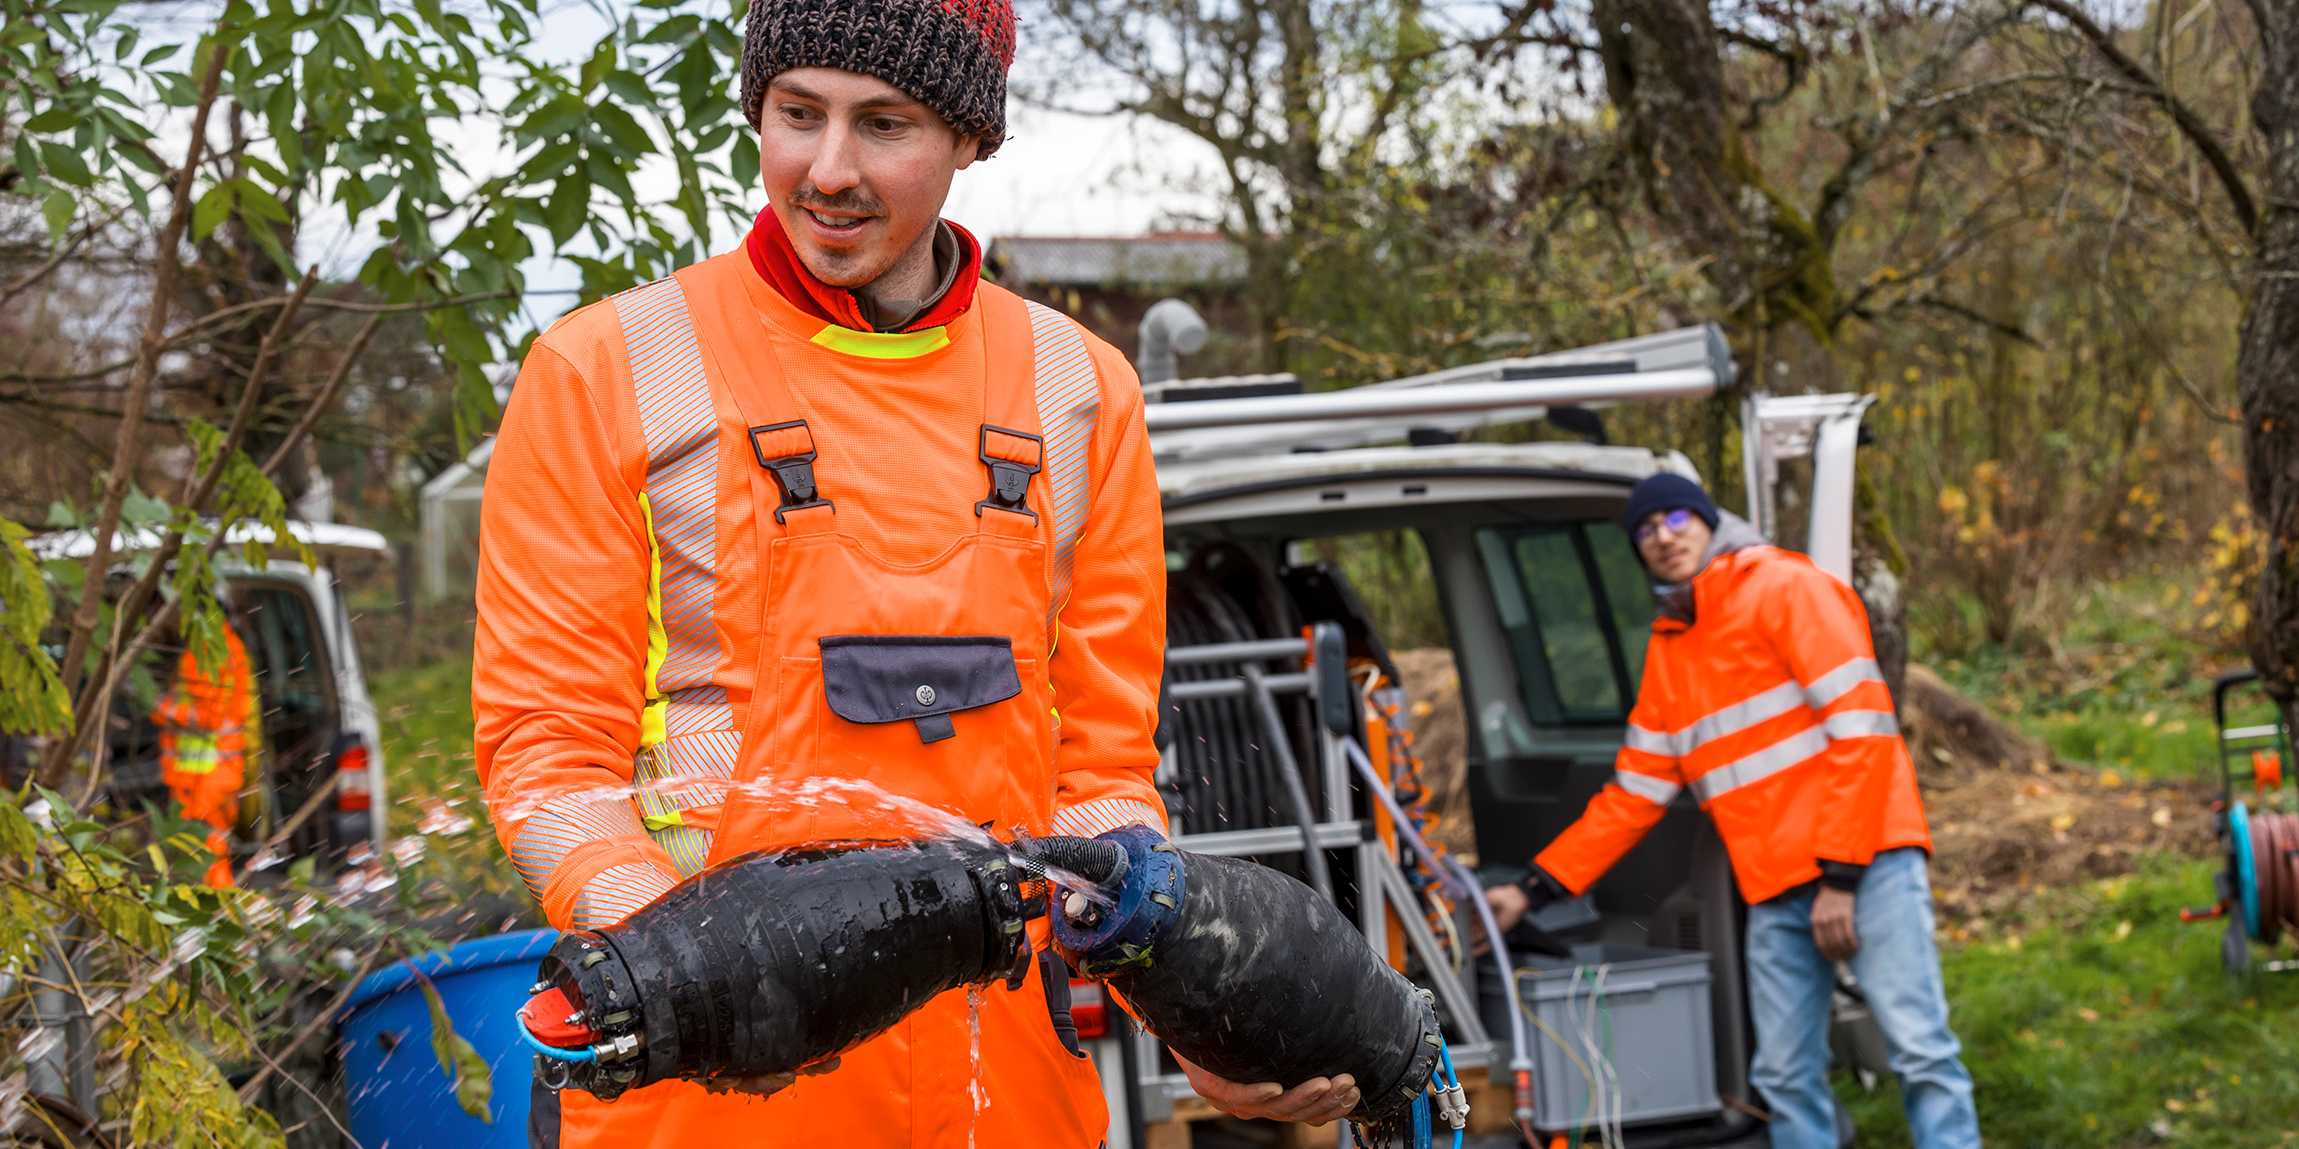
1576,613
1390,572
286,648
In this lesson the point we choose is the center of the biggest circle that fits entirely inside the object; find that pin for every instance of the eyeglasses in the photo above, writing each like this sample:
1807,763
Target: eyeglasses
1676,521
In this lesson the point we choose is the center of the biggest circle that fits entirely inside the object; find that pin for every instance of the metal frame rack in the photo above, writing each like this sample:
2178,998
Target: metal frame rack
1381,881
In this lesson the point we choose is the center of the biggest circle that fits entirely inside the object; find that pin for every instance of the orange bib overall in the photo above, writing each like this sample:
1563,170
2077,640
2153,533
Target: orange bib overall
927,678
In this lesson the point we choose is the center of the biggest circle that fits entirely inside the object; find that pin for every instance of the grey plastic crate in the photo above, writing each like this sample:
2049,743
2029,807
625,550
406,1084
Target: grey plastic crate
1651,1022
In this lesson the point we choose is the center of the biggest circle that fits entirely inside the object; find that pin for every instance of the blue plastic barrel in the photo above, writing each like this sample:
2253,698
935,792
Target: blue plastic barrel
399,1097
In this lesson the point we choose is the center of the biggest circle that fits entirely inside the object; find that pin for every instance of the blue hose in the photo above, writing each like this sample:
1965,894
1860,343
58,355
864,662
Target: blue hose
554,1052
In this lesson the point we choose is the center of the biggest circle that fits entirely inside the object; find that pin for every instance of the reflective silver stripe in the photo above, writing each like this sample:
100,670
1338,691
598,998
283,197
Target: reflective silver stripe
1069,401
690,768
1657,791
566,821
1741,715
682,474
1087,819
1788,752
1839,682
1860,724
617,893
1651,741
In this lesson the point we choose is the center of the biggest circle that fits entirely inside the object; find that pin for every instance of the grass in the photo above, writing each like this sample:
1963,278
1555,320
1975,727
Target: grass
2101,1020
2126,687
426,718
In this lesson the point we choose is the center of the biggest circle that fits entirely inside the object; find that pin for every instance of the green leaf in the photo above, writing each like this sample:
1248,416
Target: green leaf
141,510
211,210
625,132
266,238
474,1082
690,197
52,120
62,516
66,164
630,88
608,174
601,63
568,207
176,89
57,211
676,28
744,162
19,838
557,119
256,203
127,43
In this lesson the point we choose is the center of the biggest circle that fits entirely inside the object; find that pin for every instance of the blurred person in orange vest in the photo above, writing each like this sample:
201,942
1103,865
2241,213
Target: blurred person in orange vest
1761,695
208,724
830,508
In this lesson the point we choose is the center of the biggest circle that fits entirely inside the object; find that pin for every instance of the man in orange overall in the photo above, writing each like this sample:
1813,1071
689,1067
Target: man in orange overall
207,722
828,510
1762,697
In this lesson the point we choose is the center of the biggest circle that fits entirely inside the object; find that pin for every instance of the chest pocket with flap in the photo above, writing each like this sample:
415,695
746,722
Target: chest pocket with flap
919,679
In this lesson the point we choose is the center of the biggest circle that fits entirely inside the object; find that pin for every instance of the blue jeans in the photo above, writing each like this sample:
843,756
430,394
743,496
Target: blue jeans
1791,990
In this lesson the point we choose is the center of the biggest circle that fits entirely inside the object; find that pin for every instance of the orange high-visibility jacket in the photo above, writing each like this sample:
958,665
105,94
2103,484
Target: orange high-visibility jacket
958,598
1770,708
206,721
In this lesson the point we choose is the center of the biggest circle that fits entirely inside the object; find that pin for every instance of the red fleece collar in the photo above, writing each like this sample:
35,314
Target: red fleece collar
776,259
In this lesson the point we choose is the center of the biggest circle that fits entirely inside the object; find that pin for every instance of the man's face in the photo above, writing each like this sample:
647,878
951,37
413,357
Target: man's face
1671,544
856,170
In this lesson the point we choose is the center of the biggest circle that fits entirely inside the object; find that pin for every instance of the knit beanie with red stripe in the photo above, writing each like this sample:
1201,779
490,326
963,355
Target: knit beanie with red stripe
950,55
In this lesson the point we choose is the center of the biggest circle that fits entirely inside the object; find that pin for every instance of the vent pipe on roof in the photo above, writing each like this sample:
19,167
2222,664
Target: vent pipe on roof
1170,330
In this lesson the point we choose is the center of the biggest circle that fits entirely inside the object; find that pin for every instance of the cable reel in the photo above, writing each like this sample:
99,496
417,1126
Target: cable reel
2258,888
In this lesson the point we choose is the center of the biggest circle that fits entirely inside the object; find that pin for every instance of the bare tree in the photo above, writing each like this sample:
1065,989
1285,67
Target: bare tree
1294,97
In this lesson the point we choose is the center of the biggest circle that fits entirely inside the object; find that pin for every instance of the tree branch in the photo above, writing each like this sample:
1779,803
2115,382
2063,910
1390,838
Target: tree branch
169,254
2190,125
25,282
70,747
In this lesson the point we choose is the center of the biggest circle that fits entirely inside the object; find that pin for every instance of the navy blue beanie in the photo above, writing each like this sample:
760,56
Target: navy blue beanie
1666,492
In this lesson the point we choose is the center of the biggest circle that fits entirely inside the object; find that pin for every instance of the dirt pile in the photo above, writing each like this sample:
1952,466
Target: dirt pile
2006,818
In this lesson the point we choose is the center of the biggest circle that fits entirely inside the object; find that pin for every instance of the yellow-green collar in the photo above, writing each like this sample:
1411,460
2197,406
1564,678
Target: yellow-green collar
878,345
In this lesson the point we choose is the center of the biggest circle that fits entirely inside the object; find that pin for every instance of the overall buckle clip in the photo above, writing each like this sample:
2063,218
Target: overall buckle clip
787,452
1012,457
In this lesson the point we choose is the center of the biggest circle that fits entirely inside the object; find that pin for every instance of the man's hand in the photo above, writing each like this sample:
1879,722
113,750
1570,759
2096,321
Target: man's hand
1510,904
769,1085
1832,928
1316,1101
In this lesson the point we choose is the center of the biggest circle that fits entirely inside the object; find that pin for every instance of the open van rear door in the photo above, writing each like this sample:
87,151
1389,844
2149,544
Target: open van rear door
1824,429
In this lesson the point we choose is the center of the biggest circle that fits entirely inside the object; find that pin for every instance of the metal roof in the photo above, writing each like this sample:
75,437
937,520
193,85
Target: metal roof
1615,464
318,536
1160,259
1687,362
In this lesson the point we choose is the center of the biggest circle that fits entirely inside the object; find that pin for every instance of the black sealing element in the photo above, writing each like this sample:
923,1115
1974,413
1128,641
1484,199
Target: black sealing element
1252,975
713,979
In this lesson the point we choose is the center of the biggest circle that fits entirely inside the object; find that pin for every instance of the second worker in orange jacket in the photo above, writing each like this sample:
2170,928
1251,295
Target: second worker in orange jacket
1762,697
823,511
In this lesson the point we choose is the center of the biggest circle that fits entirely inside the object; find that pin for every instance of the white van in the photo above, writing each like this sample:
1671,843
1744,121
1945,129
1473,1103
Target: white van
1545,611
322,754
